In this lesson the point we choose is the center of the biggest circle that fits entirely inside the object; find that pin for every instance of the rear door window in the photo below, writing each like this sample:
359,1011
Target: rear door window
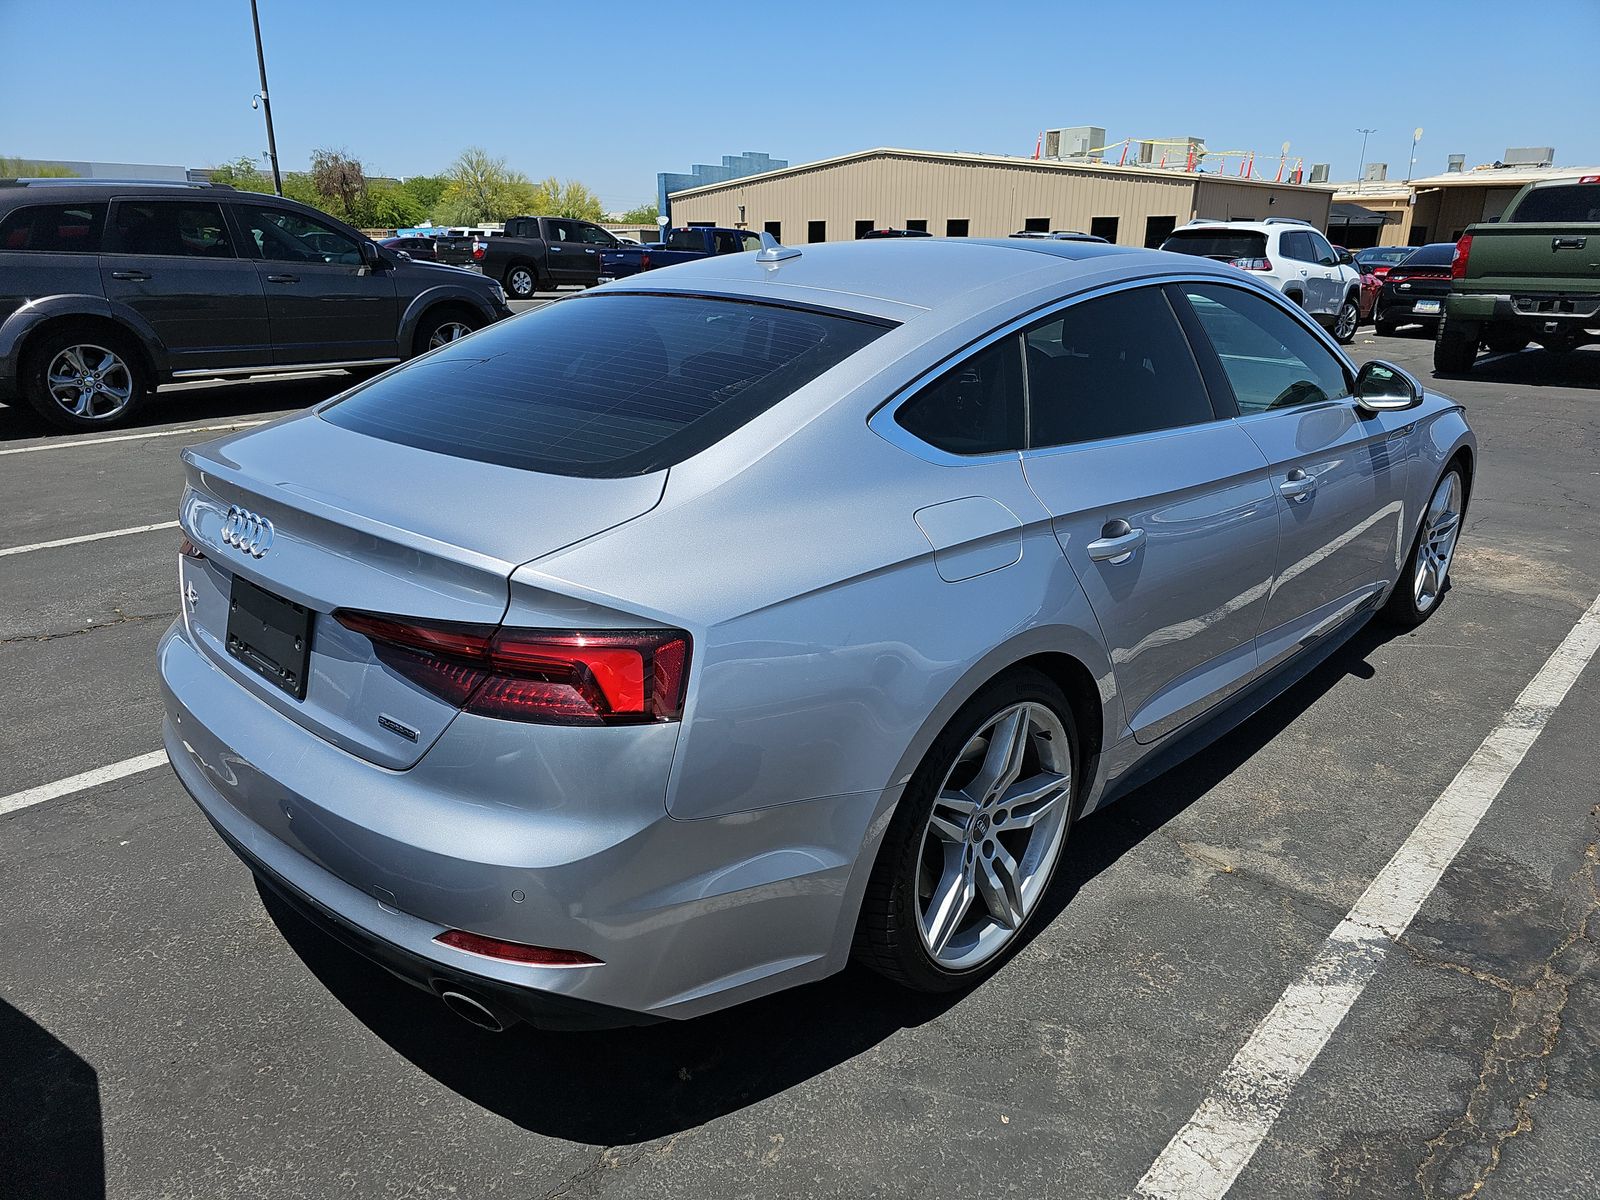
606,385
54,228
191,229
1111,367
1571,204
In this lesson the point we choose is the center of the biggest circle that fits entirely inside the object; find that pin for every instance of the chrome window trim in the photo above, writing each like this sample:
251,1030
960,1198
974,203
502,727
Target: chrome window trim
881,421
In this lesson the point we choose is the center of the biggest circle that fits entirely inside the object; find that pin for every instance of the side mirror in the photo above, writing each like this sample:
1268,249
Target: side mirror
373,256
1384,387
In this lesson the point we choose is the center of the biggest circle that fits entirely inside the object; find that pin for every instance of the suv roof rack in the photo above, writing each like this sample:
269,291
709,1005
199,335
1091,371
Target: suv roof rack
1287,221
74,181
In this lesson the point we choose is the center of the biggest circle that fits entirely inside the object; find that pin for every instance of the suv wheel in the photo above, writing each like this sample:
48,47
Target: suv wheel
440,329
1344,325
522,281
1455,346
80,379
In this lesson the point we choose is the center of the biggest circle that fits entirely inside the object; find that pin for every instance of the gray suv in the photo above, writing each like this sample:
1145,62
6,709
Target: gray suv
109,289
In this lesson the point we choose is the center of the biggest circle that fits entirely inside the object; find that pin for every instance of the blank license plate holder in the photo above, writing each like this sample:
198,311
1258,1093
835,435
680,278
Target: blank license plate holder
271,636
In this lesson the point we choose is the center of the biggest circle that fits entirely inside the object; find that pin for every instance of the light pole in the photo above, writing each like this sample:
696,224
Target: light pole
266,104
1360,170
1416,137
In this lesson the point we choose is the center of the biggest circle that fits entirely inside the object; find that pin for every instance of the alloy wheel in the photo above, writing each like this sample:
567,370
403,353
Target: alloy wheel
1345,327
90,382
521,282
993,835
1437,545
447,332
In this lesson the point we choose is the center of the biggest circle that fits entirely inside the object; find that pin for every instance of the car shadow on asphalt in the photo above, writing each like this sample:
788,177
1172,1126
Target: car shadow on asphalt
620,1087
52,1144
1536,367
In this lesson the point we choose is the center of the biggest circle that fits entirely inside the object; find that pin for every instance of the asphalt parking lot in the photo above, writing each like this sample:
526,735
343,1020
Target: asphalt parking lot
167,1033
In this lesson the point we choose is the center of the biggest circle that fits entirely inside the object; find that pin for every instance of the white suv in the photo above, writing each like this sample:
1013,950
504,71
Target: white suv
1288,254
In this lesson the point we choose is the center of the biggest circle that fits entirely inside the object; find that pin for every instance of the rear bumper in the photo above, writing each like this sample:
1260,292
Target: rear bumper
532,845
1533,310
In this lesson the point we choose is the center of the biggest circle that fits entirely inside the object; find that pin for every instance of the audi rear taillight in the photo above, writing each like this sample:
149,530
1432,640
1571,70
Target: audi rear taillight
1253,264
550,677
1458,259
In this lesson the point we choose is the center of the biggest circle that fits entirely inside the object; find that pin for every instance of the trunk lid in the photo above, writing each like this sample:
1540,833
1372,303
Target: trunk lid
1526,258
362,523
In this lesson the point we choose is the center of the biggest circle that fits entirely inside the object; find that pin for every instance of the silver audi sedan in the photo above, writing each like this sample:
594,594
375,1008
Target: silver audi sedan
688,638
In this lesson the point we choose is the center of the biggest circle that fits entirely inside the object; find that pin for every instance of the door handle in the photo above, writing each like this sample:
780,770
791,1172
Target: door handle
1116,543
1568,243
588,251
555,249
283,279
1298,485
134,275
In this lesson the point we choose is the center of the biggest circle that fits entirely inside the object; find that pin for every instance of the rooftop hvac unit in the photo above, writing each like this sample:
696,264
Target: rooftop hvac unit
1529,156
1319,172
1078,141
1375,173
1458,164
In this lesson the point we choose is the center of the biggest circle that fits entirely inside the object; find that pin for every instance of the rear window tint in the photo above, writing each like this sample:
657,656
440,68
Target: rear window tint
605,385
54,228
1438,254
1577,203
1218,244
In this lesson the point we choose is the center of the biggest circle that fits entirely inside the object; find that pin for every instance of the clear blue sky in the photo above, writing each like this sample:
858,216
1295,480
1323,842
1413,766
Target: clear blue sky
590,91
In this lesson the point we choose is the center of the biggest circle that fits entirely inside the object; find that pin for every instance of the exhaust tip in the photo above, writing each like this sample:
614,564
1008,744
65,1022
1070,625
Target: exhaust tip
471,1009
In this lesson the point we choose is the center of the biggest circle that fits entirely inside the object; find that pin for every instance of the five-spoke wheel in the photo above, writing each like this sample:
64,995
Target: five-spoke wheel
1427,571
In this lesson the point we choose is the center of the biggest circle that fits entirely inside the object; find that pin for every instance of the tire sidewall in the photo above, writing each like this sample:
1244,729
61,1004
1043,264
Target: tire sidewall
533,281
432,321
1401,608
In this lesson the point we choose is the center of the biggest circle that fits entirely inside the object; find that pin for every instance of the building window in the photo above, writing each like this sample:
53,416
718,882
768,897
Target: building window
702,224
863,228
816,231
1036,225
1158,230
917,226
956,227
1105,227
775,228
1419,235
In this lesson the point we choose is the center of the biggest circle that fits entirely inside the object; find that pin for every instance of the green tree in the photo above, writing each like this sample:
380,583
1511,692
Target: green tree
390,206
241,172
28,168
644,214
341,181
483,189
426,192
553,198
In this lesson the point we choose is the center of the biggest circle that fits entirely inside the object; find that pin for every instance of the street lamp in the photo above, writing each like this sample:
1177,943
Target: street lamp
265,104
1416,136
1361,170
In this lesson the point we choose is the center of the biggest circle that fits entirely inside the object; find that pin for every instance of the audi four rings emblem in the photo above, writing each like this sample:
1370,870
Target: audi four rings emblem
247,531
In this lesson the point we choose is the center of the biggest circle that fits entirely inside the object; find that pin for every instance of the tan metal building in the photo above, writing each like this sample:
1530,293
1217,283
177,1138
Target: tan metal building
1438,207
984,195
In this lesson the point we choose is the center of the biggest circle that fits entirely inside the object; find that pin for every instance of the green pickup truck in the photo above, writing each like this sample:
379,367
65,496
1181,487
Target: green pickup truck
1531,276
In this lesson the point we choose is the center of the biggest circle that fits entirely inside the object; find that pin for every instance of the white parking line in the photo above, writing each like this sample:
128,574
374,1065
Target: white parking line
1206,1155
69,444
77,783
88,537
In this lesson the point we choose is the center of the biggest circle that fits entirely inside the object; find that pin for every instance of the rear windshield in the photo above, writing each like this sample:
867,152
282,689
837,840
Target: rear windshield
1436,254
1577,203
1217,243
686,239
1397,254
604,385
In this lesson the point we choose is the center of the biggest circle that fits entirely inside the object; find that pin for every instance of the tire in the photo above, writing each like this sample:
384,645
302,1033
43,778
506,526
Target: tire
108,363
1506,343
1346,323
521,281
1455,346
1425,577
442,326
1385,328
938,837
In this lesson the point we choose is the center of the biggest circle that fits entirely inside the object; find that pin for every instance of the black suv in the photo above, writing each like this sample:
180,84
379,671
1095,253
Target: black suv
109,289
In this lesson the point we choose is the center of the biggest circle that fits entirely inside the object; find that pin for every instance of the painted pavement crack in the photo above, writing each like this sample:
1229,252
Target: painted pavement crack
121,618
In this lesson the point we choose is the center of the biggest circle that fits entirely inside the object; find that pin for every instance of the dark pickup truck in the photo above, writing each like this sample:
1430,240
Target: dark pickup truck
682,245
540,254
1531,276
